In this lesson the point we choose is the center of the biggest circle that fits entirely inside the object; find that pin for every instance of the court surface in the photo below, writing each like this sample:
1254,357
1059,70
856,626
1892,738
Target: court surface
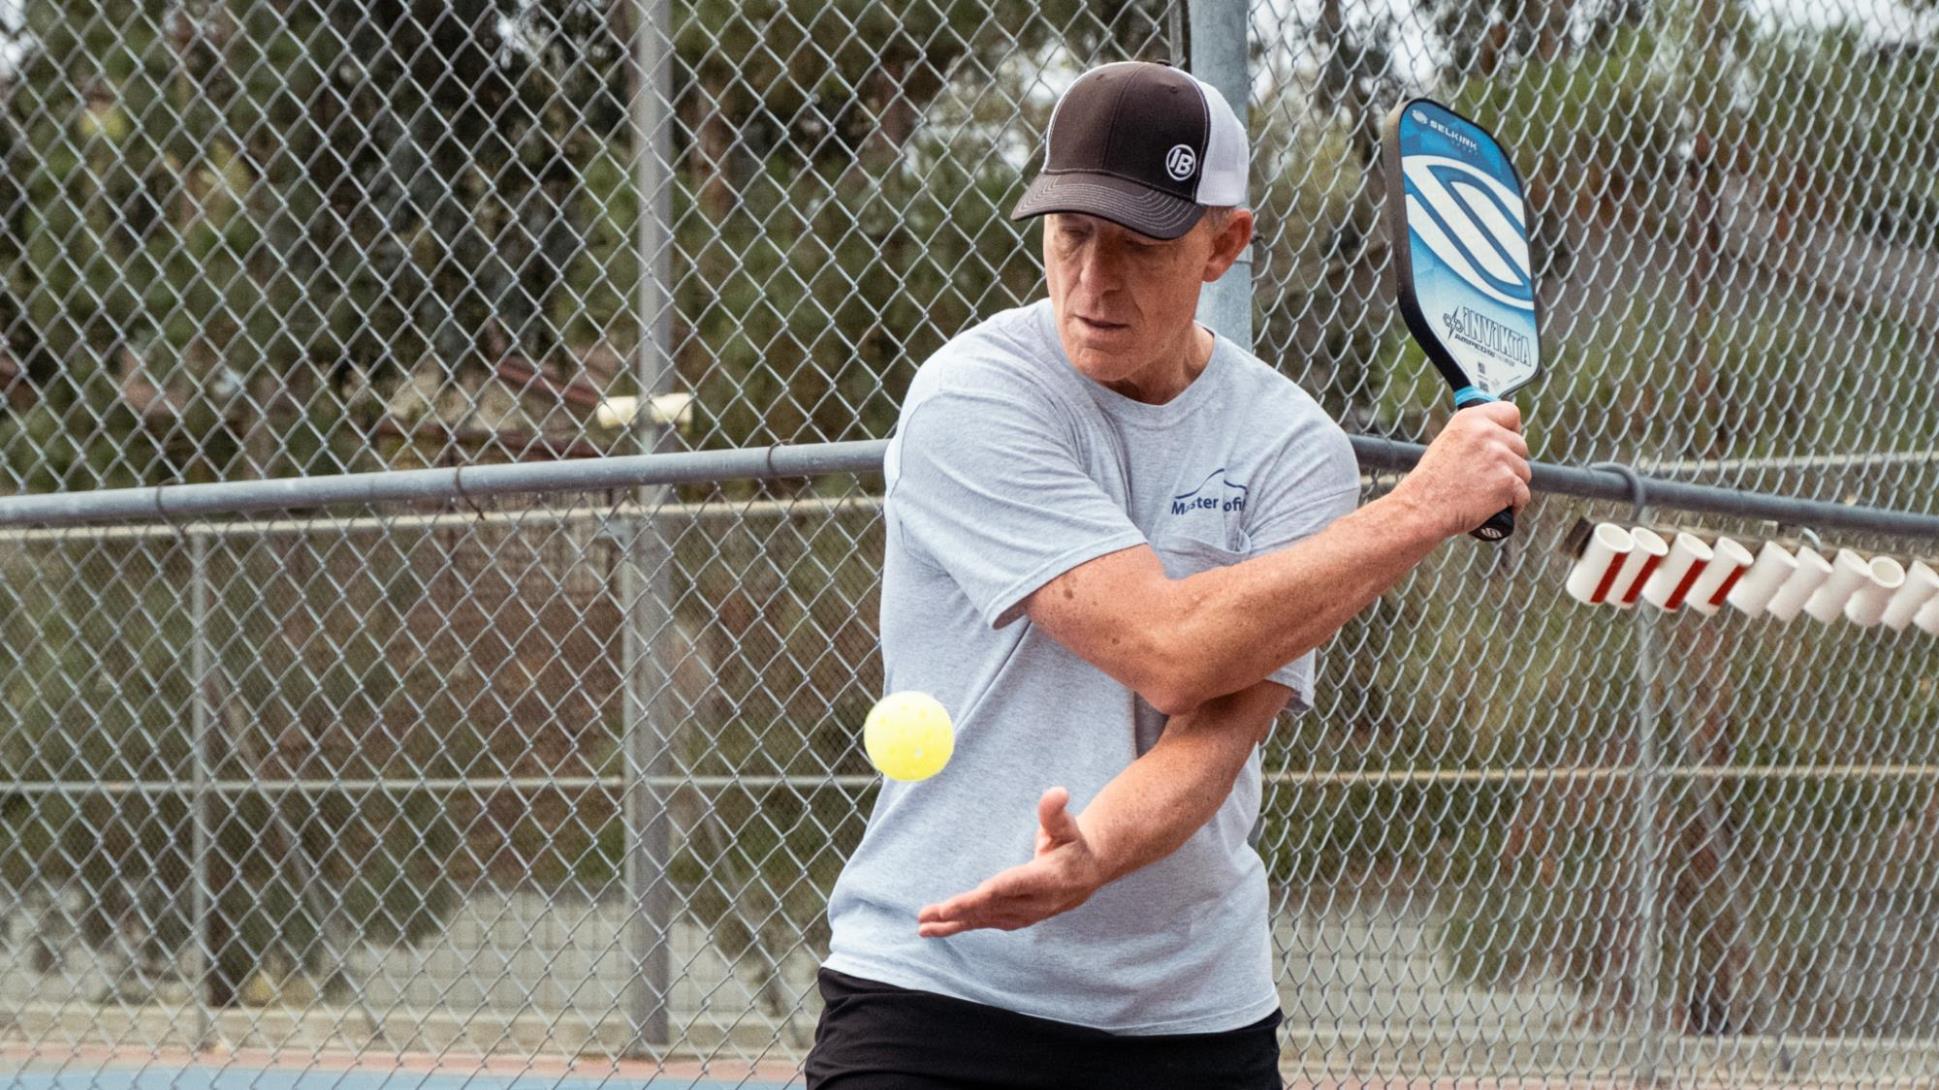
286,1072
208,1076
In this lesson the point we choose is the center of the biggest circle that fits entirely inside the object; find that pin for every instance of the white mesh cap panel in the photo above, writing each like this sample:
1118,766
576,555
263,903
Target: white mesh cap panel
1222,179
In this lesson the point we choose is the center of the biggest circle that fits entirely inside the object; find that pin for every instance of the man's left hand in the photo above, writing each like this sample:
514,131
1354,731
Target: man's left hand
1063,875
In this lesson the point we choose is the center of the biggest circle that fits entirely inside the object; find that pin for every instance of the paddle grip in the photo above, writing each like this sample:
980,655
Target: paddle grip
1501,525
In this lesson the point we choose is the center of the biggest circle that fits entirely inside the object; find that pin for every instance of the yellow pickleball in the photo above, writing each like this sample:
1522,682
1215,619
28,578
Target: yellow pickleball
908,736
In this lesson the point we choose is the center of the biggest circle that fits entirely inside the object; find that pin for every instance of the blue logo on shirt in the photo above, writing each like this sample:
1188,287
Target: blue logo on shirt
1214,494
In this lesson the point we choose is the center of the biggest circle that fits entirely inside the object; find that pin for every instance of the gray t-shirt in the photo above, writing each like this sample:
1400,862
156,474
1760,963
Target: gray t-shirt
1008,468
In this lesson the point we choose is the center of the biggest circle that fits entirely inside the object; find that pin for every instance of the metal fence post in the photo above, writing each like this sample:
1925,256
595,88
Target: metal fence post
1218,33
645,745
1648,851
1646,967
201,714
643,574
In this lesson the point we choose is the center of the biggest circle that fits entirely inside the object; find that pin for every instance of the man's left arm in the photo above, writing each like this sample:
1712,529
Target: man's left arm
1144,814
1151,808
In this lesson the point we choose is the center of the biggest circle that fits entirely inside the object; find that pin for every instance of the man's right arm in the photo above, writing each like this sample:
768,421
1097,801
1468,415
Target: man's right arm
1181,642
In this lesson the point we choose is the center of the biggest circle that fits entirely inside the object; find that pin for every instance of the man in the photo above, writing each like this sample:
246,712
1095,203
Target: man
1113,542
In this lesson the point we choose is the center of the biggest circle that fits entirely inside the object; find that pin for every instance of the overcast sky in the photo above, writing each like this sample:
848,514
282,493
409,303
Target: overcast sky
9,30
1879,20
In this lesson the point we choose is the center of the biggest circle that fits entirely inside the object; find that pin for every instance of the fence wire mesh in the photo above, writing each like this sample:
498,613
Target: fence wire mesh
368,780
569,779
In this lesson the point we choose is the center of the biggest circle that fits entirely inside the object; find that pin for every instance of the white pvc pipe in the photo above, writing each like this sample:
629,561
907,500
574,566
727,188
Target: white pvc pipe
1867,604
1813,570
1728,564
1928,617
1637,567
1921,585
1849,571
1774,567
1595,570
1689,555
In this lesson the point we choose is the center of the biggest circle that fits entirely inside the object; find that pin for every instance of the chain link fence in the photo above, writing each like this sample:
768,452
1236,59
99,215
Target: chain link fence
566,778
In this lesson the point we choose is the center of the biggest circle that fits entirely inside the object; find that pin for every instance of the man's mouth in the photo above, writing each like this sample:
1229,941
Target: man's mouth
1100,325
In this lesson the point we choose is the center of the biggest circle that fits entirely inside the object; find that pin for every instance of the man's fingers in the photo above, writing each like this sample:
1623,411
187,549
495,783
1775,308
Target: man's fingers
1501,412
960,913
1012,883
1521,467
999,922
1054,818
963,904
1000,915
1010,900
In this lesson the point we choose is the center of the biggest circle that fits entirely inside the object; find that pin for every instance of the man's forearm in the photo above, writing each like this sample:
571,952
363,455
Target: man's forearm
1181,642
1144,814
1236,625
1165,796
1241,623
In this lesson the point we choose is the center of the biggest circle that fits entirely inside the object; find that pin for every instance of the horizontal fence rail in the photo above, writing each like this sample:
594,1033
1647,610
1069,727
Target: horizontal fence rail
459,484
1413,776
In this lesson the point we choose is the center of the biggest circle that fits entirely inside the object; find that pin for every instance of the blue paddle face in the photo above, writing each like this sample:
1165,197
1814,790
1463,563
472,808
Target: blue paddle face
1467,288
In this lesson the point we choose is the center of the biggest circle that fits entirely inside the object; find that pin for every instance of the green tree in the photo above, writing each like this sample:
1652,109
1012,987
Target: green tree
248,238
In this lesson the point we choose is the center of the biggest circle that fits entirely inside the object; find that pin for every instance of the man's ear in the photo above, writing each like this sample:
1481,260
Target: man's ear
1229,243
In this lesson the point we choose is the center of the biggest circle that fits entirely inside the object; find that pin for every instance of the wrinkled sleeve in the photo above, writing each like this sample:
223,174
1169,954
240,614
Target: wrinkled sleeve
1314,483
992,490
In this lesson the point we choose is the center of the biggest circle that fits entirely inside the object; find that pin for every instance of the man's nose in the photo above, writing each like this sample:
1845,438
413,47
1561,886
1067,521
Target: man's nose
1102,267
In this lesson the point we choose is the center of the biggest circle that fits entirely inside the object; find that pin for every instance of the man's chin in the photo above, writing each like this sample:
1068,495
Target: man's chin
1102,345
1100,365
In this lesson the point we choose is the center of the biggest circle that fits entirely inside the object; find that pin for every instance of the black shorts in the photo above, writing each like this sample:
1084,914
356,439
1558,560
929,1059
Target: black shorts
879,1037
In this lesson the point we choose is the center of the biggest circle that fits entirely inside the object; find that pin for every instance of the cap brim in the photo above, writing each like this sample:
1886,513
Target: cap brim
1129,204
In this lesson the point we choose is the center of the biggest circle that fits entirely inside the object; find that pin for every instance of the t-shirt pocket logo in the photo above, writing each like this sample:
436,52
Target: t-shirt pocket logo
1215,493
1217,501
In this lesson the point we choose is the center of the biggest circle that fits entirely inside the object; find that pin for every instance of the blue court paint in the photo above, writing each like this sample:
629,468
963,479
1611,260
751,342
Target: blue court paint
206,1077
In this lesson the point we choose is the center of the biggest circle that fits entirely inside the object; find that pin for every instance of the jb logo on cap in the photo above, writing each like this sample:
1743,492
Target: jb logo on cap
1180,162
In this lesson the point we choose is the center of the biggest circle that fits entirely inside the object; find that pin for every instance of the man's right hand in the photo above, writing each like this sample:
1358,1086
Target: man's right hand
1474,468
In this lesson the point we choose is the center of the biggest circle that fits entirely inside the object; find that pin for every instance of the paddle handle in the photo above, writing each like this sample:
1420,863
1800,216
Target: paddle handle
1501,525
